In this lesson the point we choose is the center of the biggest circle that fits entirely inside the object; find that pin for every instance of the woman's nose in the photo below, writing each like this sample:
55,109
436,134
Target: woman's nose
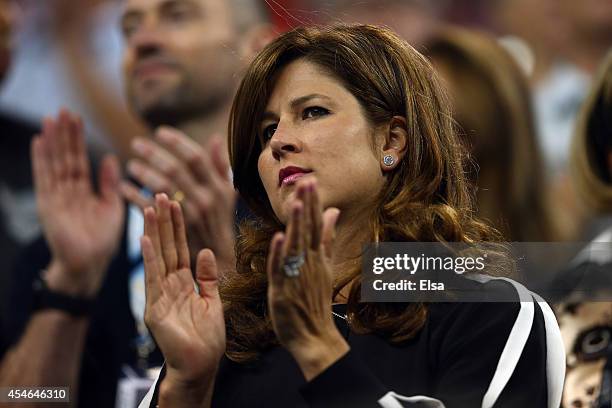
284,141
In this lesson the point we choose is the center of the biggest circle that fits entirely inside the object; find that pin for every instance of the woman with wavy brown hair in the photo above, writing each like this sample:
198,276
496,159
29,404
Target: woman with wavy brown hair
339,137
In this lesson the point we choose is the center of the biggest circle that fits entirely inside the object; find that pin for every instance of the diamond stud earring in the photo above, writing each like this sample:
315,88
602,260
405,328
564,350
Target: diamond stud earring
388,160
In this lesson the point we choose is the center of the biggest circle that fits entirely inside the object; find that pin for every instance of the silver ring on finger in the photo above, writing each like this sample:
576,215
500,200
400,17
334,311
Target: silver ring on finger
292,265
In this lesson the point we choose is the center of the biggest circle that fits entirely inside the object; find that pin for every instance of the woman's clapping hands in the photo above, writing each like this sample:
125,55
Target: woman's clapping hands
187,325
300,306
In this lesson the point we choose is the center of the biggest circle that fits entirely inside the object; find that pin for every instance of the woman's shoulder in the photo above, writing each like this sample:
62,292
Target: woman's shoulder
501,341
507,306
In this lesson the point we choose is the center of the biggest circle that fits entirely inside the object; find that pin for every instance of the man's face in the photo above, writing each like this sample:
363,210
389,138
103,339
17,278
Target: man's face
180,58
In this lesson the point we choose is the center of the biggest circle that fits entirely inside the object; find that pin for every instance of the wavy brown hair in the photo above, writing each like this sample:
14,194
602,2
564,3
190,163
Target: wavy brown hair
425,198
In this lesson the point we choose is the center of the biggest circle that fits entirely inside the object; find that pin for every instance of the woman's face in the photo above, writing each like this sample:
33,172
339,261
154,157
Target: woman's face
314,128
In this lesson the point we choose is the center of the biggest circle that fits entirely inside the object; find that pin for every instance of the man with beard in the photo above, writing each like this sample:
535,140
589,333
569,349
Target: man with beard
70,325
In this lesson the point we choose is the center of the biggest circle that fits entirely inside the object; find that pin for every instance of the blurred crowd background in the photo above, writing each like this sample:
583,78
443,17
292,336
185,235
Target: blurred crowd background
518,74
68,54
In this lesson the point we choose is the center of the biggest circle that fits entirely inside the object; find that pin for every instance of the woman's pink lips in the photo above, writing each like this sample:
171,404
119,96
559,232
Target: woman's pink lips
289,180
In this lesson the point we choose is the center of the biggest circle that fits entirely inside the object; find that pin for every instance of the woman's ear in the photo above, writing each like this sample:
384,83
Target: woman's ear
395,143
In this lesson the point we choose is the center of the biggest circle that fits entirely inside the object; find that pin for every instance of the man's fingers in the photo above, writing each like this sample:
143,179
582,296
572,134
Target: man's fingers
79,162
109,179
40,171
150,177
133,194
162,169
62,137
180,234
156,157
219,157
188,152
166,232
51,151
153,276
207,275
328,236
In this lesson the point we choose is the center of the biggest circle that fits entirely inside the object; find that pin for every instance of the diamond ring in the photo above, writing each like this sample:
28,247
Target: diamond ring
292,265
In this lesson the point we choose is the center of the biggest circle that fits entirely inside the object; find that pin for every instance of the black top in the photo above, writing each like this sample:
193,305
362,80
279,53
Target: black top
453,359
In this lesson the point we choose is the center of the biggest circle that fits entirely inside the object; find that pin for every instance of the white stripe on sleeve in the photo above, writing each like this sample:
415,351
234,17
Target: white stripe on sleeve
514,346
555,351
555,355
391,400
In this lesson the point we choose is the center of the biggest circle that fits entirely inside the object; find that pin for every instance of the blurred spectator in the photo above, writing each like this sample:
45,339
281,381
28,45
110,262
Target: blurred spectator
537,22
414,20
568,39
89,43
33,92
587,326
490,98
182,64
558,96
590,32
18,222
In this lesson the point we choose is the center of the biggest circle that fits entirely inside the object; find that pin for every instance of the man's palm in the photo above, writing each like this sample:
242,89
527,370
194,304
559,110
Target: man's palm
82,227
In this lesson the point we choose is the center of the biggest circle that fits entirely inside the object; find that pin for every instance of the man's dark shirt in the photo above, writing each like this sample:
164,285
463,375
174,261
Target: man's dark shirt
112,330
17,206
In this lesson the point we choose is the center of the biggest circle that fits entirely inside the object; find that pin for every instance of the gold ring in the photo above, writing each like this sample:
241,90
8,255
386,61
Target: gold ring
178,196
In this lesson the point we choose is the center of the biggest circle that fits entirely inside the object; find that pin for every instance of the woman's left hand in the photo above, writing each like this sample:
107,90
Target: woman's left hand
300,298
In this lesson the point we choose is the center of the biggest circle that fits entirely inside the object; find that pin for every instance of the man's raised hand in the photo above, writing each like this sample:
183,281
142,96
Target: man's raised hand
82,227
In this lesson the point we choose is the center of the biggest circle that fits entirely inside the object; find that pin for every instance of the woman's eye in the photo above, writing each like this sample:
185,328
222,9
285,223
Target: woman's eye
268,132
313,112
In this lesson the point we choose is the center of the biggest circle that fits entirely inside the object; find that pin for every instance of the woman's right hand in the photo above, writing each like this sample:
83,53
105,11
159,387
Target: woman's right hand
188,326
